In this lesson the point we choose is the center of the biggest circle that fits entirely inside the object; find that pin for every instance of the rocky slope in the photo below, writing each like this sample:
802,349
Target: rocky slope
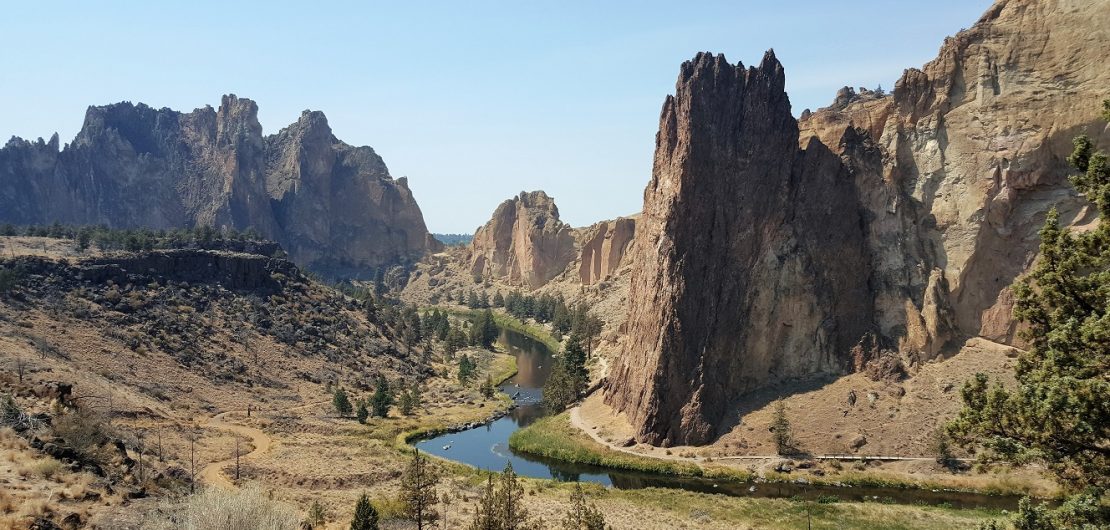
750,256
900,224
334,207
524,243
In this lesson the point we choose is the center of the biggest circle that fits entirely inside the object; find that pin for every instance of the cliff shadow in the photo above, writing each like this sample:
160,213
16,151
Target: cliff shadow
758,399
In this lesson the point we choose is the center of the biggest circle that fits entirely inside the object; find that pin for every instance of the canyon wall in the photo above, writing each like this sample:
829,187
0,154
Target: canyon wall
750,256
901,217
332,206
524,243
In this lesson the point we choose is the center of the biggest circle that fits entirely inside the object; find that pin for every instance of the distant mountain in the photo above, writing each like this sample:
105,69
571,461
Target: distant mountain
454,239
334,207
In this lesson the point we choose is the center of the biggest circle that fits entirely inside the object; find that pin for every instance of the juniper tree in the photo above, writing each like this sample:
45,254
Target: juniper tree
366,517
582,515
382,398
341,403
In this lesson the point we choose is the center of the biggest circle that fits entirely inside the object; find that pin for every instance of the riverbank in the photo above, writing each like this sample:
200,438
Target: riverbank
505,321
558,437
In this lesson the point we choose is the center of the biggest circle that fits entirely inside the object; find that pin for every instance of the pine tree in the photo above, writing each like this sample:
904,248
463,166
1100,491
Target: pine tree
361,412
381,399
780,428
498,300
582,515
418,490
340,402
510,500
466,369
1059,413
487,387
404,402
485,512
485,330
316,515
366,517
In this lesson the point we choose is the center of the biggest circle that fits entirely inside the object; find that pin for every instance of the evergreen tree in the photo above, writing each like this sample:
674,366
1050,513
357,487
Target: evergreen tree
498,300
487,387
316,515
361,412
404,402
1059,413
484,331
418,490
466,369
340,402
510,500
780,429
582,515
485,512
382,398
366,517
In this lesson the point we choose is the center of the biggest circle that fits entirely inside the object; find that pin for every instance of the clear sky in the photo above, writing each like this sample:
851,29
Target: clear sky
474,101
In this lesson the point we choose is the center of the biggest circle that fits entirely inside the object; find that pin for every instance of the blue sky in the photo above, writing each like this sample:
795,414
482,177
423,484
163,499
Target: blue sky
473,101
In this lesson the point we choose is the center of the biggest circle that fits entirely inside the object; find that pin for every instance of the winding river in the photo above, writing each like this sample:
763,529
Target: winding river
487,447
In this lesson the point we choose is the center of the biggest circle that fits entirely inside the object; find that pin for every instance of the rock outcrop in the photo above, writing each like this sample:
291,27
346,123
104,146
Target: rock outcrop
751,263
334,207
602,249
969,152
900,224
524,243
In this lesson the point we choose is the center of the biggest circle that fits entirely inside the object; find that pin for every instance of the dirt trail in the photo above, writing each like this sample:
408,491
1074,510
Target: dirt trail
577,422
212,474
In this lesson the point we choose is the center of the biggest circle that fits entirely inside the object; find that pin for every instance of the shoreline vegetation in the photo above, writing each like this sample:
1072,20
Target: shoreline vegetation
556,438
503,320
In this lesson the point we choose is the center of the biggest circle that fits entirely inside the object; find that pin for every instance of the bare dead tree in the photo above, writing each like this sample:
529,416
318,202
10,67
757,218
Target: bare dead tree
237,438
20,367
160,459
140,447
192,463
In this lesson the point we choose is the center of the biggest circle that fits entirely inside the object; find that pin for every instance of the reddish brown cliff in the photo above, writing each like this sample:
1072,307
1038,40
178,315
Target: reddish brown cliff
750,256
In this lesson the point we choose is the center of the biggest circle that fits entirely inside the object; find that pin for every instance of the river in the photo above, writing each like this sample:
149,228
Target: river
487,447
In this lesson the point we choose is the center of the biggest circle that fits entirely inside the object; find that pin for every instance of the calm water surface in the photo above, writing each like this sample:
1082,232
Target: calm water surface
487,447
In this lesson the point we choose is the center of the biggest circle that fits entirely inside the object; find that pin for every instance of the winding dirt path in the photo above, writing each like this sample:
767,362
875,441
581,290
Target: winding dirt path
212,474
577,422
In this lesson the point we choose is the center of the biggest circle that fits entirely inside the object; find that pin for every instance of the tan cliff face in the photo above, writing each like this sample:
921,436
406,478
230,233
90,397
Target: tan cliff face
602,249
971,153
749,258
334,207
524,243
942,184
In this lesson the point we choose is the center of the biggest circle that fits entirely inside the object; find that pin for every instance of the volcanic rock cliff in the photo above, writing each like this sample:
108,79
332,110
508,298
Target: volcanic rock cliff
334,207
751,264
904,219
970,152
524,243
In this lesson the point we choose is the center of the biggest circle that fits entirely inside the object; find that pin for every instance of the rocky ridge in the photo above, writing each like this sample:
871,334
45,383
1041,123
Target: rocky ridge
750,262
334,207
926,200
524,243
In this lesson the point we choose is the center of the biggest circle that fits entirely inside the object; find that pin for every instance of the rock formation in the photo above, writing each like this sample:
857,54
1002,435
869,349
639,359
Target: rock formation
602,248
524,243
751,264
334,207
755,262
969,153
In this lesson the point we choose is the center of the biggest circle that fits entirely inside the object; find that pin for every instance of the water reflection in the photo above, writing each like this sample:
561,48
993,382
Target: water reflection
487,447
